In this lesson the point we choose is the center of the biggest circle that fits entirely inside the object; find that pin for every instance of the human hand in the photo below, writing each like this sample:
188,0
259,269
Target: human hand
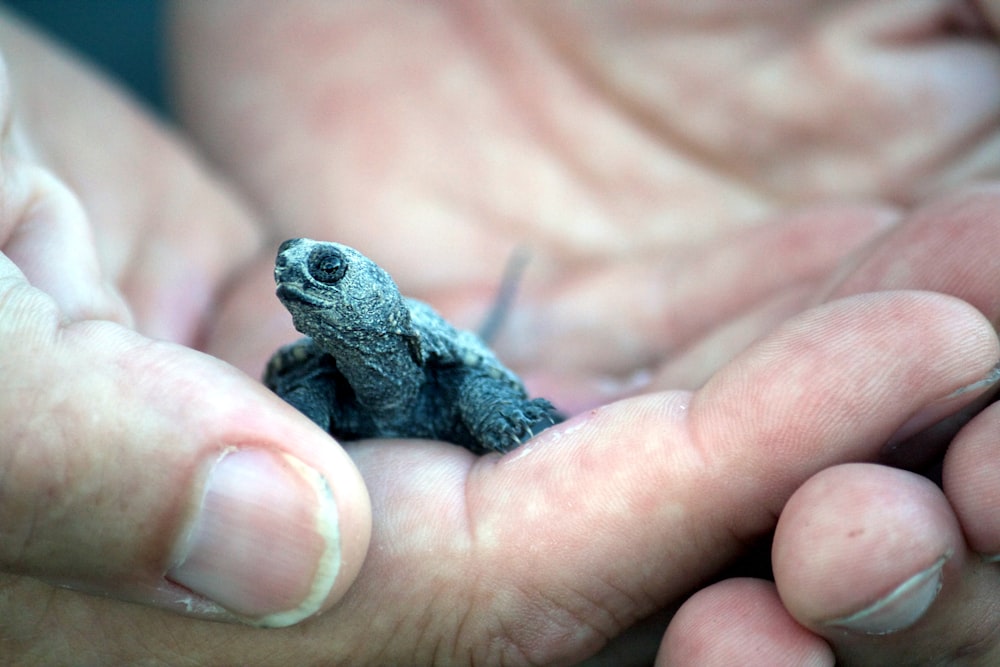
875,565
627,190
68,603
127,458
655,189
542,555
641,201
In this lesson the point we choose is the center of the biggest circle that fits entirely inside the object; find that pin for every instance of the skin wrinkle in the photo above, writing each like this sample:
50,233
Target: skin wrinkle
910,167
657,126
467,620
613,617
494,638
573,622
671,140
499,648
983,637
478,553
501,41
552,132
420,624
476,609
985,135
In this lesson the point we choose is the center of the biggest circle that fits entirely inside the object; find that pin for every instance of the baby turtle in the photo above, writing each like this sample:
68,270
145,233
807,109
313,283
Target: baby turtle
378,365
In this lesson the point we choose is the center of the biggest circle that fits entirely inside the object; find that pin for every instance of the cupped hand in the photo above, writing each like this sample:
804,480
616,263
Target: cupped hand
132,466
875,565
543,555
684,182
651,160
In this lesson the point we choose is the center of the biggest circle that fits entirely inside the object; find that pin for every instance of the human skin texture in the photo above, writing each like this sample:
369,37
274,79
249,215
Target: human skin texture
740,282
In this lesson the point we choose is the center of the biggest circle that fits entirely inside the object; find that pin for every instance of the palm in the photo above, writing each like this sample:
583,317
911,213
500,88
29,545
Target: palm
626,191
661,246
659,249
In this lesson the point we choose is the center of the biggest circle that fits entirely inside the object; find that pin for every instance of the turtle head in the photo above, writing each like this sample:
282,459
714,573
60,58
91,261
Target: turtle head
337,296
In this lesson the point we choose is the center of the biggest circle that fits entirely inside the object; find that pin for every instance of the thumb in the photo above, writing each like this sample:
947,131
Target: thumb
150,472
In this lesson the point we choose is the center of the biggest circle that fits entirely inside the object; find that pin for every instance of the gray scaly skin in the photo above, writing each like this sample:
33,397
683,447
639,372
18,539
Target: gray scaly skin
375,364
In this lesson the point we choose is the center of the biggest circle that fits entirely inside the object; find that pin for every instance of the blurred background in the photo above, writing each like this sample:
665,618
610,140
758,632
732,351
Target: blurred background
122,37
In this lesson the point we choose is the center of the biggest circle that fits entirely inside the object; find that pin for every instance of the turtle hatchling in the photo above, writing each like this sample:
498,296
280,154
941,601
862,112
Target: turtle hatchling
375,364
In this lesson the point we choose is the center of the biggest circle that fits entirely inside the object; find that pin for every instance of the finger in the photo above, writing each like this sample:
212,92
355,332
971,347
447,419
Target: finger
971,479
169,233
692,367
152,473
510,556
709,475
49,240
661,305
666,488
44,230
739,622
873,559
948,246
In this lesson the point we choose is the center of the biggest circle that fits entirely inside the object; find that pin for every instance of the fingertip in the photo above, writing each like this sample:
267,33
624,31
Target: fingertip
46,232
739,622
264,541
307,512
275,526
336,481
862,547
148,472
836,382
972,482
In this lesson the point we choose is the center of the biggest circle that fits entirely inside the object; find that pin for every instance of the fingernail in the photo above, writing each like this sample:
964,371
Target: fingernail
899,609
940,409
264,542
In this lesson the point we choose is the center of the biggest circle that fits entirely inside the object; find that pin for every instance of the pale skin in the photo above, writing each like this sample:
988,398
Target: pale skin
713,292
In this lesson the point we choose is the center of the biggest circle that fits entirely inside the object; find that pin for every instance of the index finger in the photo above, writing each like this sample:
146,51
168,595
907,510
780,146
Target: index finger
547,552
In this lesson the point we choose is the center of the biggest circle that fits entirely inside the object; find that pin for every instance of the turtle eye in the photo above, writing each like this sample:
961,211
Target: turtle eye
327,264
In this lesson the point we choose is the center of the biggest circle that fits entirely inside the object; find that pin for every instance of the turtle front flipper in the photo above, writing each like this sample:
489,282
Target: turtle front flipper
300,375
499,414
307,378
